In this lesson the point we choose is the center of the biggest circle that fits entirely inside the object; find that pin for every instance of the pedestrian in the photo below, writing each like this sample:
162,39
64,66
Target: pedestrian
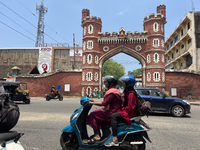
99,93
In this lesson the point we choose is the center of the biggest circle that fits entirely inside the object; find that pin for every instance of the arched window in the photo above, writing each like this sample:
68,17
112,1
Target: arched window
156,76
90,29
83,59
163,77
89,76
89,59
96,76
90,44
148,76
84,46
156,58
96,59
83,76
156,43
89,90
163,58
148,58
155,27
83,90
84,31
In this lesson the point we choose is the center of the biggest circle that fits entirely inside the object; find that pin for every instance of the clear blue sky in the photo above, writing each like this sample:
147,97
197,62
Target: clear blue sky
64,18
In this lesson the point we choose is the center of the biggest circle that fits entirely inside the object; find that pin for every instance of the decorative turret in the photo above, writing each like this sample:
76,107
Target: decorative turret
162,10
85,13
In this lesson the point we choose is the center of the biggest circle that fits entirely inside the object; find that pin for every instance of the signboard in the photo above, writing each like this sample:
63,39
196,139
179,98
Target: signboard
58,87
56,45
67,87
78,52
44,61
173,91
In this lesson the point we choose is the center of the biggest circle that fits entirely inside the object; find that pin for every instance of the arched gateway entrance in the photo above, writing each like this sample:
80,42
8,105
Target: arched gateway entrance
147,47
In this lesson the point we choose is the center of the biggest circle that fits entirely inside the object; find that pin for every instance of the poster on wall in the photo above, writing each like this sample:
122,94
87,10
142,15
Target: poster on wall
173,91
44,61
78,52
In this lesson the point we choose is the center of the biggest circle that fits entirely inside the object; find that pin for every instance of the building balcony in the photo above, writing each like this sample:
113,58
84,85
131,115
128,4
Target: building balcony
186,51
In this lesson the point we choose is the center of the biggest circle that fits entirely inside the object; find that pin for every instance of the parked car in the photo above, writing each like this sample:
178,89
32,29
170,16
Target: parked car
18,91
163,103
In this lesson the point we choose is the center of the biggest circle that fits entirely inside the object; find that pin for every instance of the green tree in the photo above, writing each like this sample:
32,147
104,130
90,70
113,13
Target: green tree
111,67
136,72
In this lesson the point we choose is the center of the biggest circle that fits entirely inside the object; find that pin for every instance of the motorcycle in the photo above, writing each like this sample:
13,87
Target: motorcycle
75,135
49,96
10,141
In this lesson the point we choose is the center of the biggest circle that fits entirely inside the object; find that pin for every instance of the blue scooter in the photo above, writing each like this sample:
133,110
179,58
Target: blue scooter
75,135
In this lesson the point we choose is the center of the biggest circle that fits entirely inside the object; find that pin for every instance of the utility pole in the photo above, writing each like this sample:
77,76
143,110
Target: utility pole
74,65
40,30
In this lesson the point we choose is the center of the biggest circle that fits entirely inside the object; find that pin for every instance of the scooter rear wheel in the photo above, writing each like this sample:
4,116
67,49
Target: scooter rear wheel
69,141
61,98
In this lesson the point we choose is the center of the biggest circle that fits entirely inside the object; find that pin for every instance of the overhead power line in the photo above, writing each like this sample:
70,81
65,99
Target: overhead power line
17,31
45,23
25,20
17,24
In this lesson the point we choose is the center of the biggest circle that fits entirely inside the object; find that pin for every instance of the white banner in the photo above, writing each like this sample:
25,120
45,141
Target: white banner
78,52
44,61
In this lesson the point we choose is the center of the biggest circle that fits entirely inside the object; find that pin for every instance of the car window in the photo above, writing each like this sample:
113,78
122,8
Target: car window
155,92
140,91
2,91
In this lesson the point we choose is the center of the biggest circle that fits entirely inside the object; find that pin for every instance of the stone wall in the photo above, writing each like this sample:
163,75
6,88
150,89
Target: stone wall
39,85
187,83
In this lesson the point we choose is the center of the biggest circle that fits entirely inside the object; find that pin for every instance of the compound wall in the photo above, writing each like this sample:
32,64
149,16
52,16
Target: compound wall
40,85
187,84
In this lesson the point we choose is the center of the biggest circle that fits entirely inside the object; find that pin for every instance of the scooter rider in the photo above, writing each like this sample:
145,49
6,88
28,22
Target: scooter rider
53,91
100,118
129,109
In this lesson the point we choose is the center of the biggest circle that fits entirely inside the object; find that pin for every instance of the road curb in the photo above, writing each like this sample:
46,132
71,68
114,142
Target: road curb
197,104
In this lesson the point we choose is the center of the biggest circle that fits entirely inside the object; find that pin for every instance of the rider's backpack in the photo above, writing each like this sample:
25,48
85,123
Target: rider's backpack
9,113
143,107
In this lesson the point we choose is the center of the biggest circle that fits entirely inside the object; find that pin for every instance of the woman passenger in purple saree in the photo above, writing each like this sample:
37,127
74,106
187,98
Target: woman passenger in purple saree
100,118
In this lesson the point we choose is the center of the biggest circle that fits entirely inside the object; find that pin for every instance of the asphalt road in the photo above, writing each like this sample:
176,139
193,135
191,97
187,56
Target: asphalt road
42,122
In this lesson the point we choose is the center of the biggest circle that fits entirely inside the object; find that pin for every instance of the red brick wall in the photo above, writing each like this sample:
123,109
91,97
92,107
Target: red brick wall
39,86
187,84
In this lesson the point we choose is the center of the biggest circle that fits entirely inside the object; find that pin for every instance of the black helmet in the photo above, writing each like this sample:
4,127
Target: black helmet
111,79
53,86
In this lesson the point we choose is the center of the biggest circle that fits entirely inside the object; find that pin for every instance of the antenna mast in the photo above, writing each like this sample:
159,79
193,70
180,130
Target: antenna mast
40,30
193,9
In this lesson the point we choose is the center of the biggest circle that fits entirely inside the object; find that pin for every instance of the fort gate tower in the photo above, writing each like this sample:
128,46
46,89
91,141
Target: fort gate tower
146,46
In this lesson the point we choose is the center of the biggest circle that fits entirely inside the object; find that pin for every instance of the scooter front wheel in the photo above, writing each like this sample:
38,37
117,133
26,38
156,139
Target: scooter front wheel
69,141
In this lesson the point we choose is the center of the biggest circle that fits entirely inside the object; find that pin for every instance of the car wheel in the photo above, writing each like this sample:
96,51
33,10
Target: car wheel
178,111
69,141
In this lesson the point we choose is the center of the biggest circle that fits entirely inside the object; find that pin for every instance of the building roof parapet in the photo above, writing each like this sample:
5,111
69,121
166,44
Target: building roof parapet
118,40
49,74
183,71
93,19
129,34
154,16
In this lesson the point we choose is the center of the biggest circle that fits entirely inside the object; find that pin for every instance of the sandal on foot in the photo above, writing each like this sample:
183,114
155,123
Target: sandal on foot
92,140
